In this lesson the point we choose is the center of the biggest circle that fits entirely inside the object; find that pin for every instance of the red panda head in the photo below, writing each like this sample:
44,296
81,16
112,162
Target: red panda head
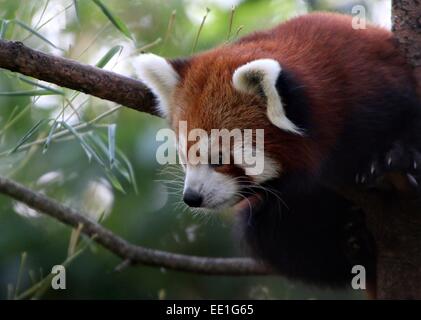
222,89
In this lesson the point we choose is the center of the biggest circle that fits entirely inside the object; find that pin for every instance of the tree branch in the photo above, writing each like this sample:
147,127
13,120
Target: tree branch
406,15
15,56
395,219
125,250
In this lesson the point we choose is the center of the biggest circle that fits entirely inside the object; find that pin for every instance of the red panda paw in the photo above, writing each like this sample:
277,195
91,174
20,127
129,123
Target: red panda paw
400,166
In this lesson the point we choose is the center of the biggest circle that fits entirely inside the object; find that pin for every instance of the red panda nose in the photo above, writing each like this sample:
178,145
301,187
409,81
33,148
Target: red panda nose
192,198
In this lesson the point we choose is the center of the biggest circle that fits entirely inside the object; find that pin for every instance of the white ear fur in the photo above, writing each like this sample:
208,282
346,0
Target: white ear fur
262,74
159,76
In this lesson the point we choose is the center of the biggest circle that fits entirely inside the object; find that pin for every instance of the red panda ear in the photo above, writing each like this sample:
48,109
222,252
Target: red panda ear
160,77
180,65
260,76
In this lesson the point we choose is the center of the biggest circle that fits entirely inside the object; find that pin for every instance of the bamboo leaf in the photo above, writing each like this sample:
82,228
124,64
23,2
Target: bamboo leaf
111,176
122,163
90,151
111,144
15,117
35,33
116,21
76,5
98,143
29,93
29,134
50,136
10,290
108,56
37,84
74,238
3,28
114,181
132,177
42,14
20,274
12,114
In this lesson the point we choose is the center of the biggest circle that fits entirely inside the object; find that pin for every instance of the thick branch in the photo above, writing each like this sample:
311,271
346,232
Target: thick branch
406,16
125,250
395,220
71,74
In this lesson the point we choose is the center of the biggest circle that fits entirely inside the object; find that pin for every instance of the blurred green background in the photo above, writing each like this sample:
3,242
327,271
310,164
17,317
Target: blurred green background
135,197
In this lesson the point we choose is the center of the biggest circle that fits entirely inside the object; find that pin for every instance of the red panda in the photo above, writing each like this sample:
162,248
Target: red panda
338,107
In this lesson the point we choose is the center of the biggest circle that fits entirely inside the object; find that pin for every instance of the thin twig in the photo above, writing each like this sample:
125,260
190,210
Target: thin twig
196,40
169,29
231,21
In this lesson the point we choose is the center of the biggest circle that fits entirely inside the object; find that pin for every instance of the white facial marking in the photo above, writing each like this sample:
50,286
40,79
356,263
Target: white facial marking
159,76
264,168
218,190
271,170
263,73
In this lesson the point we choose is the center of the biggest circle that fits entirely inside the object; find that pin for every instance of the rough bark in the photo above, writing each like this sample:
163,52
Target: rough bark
406,16
395,218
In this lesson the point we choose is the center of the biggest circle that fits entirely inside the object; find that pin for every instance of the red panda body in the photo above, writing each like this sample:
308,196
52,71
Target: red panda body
351,114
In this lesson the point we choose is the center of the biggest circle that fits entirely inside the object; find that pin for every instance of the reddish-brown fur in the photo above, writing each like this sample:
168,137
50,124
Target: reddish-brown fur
335,68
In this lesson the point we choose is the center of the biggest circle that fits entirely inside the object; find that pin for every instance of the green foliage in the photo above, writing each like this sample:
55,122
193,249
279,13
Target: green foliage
116,21
108,56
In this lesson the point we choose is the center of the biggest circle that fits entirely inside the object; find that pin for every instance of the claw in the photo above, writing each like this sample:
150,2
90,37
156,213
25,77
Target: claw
362,179
353,243
389,161
412,181
372,169
349,226
415,165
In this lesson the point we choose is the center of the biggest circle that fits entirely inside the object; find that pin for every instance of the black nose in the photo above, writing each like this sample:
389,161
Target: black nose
192,198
